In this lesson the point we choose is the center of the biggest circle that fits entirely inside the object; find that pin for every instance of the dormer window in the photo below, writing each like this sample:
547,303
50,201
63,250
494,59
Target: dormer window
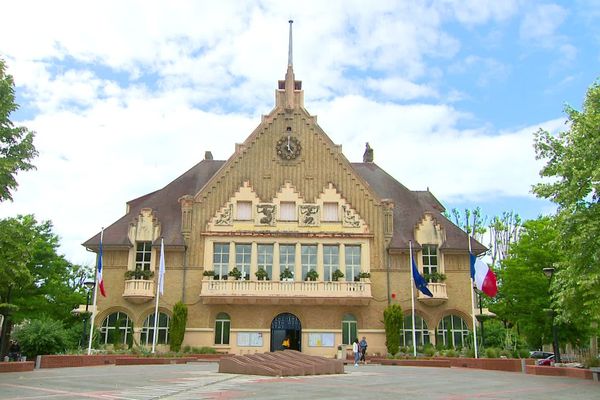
287,211
330,212
143,255
244,211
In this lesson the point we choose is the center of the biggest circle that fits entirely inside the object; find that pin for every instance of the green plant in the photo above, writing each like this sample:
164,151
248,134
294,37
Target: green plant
434,277
392,320
41,336
429,350
337,274
491,352
286,274
261,274
312,275
451,353
178,325
139,273
236,273
208,272
364,275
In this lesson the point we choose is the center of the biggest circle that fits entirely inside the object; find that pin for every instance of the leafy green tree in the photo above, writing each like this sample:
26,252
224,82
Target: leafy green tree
42,336
178,326
392,320
16,142
573,166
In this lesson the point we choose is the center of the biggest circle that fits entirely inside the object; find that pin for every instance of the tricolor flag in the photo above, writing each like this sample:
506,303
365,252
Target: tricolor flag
99,273
483,276
161,269
420,282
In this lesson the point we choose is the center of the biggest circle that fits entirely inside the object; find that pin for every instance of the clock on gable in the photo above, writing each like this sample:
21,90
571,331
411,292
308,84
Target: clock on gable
288,148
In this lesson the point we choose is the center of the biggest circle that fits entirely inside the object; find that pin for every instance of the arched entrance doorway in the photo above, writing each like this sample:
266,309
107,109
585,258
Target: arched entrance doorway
286,325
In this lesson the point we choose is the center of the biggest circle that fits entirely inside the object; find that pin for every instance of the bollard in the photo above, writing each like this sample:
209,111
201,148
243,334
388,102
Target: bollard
523,367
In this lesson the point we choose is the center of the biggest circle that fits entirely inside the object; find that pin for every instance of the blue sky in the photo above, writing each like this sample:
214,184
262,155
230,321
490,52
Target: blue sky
125,96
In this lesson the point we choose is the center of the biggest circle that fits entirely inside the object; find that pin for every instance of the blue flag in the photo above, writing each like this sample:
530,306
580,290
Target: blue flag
420,282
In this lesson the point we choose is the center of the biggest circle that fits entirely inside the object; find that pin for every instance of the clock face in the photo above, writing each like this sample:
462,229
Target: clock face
288,148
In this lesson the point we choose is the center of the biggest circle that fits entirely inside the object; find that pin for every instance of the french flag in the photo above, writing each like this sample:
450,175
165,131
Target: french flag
483,276
99,273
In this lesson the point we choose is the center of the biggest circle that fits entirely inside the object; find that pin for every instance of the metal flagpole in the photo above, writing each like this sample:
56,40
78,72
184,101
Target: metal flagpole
158,291
412,298
98,260
473,302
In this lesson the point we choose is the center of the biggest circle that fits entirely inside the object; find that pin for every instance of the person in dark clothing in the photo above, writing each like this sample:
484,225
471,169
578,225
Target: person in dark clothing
14,351
363,349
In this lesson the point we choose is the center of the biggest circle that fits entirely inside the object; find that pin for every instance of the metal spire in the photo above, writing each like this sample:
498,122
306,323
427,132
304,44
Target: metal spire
290,45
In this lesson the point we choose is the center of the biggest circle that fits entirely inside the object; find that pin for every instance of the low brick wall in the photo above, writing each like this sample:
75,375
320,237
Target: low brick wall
153,360
494,364
580,373
427,362
17,366
79,360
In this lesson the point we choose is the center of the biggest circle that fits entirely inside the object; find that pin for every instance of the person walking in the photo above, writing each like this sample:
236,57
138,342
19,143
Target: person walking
363,350
356,351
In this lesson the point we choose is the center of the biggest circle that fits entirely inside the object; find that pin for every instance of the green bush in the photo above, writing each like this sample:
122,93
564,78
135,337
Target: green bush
505,353
429,350
491,352
178,326
451,353
42,336
392,320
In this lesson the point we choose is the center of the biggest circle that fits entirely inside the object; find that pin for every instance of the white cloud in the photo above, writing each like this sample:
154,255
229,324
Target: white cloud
401,89
541,23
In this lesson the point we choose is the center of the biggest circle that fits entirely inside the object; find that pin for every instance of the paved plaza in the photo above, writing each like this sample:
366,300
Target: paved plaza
202,381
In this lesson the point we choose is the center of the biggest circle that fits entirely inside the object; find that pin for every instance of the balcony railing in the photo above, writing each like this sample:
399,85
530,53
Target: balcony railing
439,294
139,290
285,292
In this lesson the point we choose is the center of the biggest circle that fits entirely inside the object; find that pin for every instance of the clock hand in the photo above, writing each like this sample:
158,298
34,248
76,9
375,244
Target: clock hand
288,145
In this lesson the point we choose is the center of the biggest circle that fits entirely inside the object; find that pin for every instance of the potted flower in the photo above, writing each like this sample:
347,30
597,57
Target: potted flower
261,274
337,274
363,276
286,275
209,274
235,273
312,275
435,277
138,273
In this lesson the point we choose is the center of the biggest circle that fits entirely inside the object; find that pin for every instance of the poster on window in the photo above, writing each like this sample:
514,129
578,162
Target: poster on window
321,339
249,339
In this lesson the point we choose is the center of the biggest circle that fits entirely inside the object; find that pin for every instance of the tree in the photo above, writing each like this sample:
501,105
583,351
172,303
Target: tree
471,221
16,142
504,231
392,320
35,281
178,326
573,166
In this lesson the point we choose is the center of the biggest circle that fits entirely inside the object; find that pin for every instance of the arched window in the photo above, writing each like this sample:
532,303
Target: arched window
222,327
147,334
107,330
452,331
349,329
421,331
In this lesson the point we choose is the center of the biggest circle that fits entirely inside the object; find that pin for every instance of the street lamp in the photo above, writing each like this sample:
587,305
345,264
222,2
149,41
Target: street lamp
549,272
89,285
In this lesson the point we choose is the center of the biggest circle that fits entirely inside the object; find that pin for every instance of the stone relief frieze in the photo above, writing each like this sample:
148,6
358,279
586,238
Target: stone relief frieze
309,215
265,214
226,216
349,217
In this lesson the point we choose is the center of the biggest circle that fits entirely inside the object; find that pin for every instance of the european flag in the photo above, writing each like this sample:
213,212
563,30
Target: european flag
420,282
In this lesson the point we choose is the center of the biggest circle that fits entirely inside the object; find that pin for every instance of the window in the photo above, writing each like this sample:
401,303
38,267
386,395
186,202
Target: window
421,331
244,210
109,327
308,254
287,257
349,329
222,327
287,211
430,259
242,259
331,261
352,257
143,254
330,212
147,334
265,258
452,331
221,259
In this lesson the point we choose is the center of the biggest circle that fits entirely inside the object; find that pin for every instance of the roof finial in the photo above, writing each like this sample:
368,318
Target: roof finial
290,62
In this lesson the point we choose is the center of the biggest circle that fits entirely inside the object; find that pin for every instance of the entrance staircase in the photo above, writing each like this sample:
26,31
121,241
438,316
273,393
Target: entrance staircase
280,363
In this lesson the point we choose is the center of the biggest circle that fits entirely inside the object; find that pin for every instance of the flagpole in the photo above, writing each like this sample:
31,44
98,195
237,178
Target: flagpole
412,298
473,303
98,260
158,286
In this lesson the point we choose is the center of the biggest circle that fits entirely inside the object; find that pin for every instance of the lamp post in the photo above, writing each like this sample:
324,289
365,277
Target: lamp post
89,285
549,272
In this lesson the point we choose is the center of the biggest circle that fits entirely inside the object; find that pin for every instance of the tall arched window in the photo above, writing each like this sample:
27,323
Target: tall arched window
107,330
421,331
222,328
147,334
349,329
452,331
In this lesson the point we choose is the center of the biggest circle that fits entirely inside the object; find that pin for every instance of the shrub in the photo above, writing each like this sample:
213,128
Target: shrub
42,336
451,353
491,352
337,274
429,350
392,319
178,326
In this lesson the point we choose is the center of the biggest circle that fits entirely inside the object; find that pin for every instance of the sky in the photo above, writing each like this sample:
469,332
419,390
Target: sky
125,96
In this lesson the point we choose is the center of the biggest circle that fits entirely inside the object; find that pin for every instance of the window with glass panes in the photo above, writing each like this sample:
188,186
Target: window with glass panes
352,258
143,254
162,330
244,210
109,326
243,253
349,329
287,211
222,327
221,259
421,331
287,257
308,254
331,261
452,331
265,258
330,212
430,259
